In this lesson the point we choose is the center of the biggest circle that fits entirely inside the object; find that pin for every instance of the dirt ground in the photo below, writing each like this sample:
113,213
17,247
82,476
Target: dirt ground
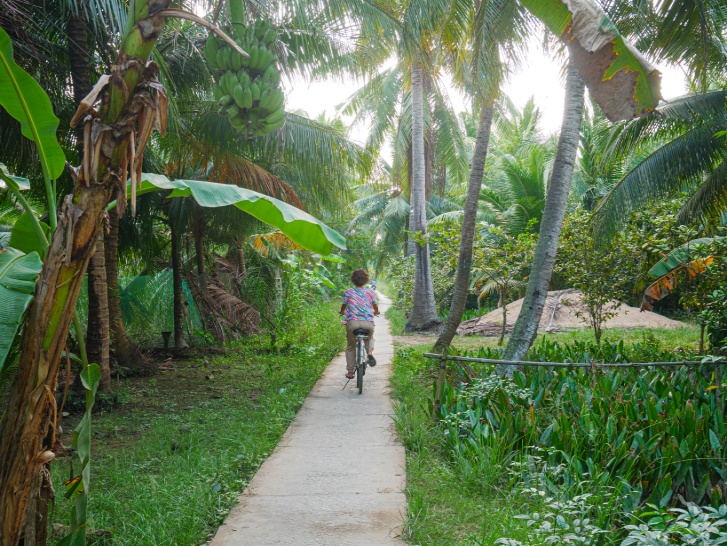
564,310
415,339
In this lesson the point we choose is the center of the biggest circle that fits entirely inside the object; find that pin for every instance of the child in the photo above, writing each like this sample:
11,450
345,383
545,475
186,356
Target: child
358,310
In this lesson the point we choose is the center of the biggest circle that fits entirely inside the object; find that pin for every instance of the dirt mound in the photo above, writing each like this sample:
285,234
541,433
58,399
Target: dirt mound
561,311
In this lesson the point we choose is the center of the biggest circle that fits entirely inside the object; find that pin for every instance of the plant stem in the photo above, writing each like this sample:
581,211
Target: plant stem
33,220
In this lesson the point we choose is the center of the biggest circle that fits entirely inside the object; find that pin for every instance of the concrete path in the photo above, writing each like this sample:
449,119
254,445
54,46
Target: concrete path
338,474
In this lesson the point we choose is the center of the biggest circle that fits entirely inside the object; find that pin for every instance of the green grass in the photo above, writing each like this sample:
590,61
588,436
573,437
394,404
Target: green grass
169,463
685,339
397,320
450,501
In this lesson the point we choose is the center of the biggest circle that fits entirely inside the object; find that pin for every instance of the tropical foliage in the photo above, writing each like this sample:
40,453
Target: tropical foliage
155,186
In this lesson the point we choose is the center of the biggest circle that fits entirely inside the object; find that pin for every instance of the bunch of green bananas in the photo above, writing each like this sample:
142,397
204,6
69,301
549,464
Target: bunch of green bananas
248,92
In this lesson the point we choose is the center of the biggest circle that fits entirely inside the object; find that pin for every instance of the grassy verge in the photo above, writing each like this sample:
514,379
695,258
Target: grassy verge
169,463
397,320
450,501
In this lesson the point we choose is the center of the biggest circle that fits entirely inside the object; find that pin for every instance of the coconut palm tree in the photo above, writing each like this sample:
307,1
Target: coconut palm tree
414,31
617,96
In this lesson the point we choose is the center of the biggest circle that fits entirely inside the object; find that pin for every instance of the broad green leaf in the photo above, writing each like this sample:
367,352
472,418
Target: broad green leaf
334,258
714,441
24,237
546,435
91,377
18,272
677,257
301,227
25,100
619,78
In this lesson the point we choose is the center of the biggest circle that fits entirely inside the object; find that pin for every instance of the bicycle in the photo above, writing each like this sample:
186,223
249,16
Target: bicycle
362,334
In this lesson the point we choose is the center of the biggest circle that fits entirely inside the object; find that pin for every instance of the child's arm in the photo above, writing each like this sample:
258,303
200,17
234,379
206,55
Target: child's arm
343,308
376,309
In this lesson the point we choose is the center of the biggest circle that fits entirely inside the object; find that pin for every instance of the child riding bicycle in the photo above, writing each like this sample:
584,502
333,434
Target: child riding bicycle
358,309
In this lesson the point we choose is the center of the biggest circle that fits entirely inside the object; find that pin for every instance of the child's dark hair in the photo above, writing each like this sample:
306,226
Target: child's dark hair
359,277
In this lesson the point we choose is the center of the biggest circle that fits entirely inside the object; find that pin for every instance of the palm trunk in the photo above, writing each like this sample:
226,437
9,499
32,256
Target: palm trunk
526,326
424,311
464,262
503,305
97,333
177,282
127,356
408,239
26,438
79,56
198,233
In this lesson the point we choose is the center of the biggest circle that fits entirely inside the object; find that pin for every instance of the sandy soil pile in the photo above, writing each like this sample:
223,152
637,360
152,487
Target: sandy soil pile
560,311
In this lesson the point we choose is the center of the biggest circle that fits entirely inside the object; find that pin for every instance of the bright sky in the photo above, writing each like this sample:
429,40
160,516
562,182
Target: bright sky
540,78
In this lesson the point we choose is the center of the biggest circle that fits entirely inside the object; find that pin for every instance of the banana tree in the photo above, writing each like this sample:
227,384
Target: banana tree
118,118
687,258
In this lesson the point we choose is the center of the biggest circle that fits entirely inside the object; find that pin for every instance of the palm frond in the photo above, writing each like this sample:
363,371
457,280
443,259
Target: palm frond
678,165
709,201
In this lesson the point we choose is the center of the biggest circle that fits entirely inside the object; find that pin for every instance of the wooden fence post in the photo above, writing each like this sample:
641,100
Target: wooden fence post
440,384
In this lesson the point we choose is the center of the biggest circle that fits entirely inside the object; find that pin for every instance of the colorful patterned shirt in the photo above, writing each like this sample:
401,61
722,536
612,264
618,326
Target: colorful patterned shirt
359,304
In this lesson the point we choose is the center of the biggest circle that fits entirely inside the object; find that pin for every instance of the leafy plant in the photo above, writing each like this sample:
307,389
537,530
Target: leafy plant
611,426
18,272
700,526
599,270
300,226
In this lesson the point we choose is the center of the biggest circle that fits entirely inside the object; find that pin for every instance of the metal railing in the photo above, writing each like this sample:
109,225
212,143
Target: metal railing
590,365
593,366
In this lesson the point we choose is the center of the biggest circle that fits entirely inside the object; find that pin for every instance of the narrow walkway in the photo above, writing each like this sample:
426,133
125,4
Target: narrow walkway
338,474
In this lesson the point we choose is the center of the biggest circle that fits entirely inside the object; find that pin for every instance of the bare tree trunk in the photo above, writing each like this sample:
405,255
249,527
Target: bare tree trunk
469,221
526,326
97,332
79,56
424,311
30,418
503,305
126,354
177,281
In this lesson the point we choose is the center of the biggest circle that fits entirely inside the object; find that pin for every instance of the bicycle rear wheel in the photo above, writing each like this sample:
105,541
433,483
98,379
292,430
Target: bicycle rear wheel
360,365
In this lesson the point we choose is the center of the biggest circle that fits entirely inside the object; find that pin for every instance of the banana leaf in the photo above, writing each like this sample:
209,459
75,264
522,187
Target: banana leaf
666,284
301,227
677,257
25,100
24,237
623,83
6,178
18,272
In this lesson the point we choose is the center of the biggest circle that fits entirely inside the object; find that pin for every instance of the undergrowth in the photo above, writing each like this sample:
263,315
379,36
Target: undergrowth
564,456
170,462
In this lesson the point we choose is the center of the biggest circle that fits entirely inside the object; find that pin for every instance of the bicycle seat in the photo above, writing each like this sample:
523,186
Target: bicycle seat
360,332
